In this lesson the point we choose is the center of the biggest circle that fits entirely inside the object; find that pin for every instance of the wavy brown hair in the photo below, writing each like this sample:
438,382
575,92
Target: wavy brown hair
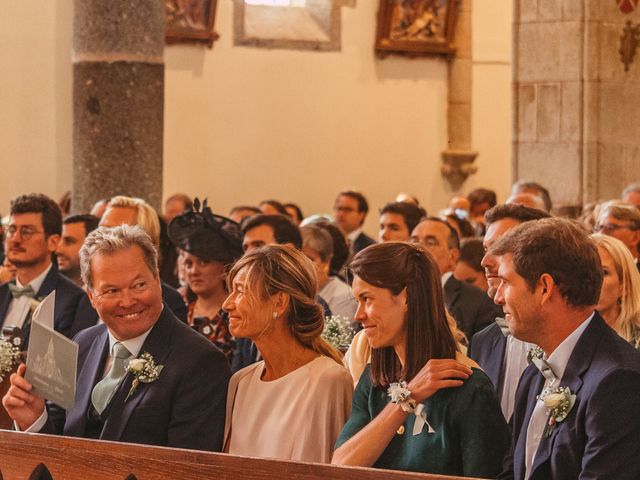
396,266
281,268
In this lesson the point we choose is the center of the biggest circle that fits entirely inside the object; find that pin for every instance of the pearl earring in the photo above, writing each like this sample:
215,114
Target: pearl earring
275,315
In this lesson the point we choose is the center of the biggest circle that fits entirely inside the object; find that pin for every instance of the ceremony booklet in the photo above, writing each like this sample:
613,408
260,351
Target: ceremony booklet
51,358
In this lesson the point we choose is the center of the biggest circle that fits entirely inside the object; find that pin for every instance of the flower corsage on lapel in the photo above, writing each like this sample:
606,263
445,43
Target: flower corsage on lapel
9,355
558,400
144,370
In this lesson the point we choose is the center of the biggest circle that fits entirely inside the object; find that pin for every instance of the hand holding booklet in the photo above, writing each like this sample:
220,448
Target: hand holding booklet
51,358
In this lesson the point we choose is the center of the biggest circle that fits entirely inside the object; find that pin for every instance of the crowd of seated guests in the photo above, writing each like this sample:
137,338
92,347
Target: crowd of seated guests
436,314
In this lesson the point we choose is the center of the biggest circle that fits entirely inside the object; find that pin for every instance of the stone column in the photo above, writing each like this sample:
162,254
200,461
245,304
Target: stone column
458,158
118,100
576,127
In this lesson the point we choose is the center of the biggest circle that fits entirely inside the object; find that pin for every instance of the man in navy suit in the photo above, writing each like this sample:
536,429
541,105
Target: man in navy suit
551,277
183,407
469,305
123,210
33,235
502,356
350,211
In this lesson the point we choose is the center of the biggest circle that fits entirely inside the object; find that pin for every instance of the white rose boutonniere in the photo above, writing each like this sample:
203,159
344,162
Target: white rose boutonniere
144,370
9,355
559,401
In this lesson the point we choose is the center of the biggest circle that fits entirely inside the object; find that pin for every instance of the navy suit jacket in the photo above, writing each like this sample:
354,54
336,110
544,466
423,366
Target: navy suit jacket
361,242
470,306
68,296
183,408
87,317
487,349
599,439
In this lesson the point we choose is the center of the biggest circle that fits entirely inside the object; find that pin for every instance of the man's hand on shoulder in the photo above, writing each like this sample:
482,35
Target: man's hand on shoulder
22,406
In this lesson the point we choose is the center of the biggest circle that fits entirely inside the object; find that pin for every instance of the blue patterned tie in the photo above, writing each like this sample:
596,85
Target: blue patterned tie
105,388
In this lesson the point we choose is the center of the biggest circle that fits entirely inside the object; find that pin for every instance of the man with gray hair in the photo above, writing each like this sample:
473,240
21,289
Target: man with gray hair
631,194
622,221
123,210
183,405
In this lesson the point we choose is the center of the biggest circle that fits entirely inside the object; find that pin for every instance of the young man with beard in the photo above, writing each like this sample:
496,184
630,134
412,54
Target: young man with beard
33,234
75,229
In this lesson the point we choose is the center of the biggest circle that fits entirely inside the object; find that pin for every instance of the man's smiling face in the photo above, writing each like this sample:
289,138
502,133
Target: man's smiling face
125,293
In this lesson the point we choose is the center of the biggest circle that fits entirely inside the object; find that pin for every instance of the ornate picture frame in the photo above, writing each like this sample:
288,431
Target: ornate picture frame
416,27
190,21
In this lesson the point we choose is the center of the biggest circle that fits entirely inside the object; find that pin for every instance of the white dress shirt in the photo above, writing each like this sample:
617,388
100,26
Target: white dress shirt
558,362
134,345
19,307
515,362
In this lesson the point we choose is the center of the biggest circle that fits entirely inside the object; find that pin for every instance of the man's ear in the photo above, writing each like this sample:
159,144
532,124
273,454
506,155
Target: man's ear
454,255
91,298
547,286
52,242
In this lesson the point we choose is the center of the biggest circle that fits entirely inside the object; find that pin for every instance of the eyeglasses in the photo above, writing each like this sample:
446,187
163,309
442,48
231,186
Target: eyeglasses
25,232
344,209
611,227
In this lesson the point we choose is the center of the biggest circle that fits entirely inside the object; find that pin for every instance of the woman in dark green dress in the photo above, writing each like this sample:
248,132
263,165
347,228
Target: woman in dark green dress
420,405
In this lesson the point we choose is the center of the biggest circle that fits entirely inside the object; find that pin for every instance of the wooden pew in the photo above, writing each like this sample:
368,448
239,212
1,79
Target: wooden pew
79,459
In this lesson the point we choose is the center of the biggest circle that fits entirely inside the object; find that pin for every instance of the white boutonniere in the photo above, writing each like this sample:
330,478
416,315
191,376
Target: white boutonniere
9,355
144,370
559,401
338,332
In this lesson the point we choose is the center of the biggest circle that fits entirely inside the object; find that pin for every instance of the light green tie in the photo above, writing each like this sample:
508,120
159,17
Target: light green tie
105,388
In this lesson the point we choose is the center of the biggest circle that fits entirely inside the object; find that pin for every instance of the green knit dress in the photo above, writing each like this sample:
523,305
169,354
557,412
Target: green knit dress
471,436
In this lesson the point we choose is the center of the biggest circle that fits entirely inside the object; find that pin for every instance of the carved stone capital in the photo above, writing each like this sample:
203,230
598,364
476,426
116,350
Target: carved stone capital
457,166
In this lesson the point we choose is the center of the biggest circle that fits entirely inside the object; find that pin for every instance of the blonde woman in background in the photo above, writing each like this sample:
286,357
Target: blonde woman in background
619,302
293,404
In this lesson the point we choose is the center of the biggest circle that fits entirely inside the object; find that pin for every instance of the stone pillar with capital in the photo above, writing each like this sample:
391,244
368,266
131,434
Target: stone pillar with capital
576,98
458,158
118,100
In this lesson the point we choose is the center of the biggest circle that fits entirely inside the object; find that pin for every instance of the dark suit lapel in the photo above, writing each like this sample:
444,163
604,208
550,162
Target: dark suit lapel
451,291
120,408
91,373
493,365
579,362
534,387
5,300
49,284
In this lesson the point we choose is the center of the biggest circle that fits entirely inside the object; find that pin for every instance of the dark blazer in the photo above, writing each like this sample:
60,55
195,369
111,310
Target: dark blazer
68,296
184,408
361,242
87,317
487,349
470,306
599,437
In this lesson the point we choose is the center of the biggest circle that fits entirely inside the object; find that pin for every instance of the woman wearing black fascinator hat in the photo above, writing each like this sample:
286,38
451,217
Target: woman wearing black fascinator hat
209,245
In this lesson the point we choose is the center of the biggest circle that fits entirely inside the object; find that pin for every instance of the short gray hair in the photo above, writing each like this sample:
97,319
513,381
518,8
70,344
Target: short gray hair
318,239
632,187
620,211
105,240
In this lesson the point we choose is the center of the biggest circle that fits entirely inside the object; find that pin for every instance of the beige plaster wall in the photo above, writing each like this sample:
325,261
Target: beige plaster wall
491,103
35,98
244,124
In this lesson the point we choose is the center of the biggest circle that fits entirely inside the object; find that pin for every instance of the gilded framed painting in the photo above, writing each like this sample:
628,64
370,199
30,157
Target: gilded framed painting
191,21
416,27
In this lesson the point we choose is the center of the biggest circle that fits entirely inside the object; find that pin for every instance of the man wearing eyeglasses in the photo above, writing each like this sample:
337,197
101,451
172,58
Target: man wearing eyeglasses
33,235
621,221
